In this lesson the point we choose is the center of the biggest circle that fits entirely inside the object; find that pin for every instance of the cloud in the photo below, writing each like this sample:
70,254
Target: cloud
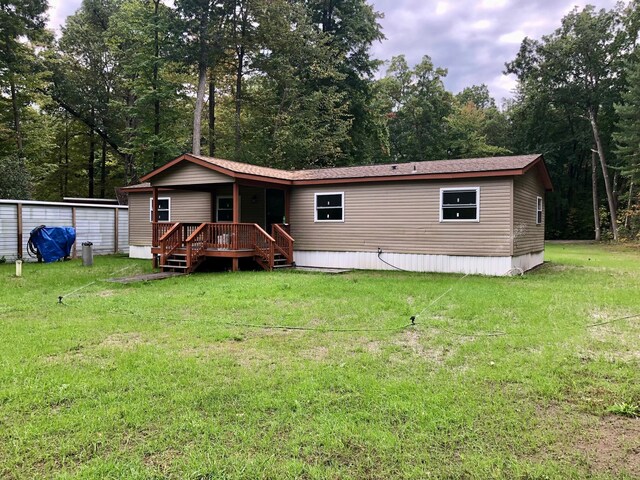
59,10
472,39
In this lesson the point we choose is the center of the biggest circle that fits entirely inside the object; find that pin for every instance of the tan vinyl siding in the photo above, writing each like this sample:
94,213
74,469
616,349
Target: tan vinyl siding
186,206
187,173
404,218
527,235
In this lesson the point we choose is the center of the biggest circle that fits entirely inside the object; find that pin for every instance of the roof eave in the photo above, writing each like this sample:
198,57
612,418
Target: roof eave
411,177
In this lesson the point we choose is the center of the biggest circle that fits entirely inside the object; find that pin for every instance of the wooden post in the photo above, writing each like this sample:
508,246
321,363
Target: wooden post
236,220
287,206
213,205
154,220
154,215
115,230
236,203
19,213
74,252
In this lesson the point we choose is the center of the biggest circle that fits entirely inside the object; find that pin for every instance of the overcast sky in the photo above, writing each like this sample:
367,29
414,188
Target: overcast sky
471,38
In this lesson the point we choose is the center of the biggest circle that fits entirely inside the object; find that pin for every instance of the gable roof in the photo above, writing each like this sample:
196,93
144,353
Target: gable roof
426,170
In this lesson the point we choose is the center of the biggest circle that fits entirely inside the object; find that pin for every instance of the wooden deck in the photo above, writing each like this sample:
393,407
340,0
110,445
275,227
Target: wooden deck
184,246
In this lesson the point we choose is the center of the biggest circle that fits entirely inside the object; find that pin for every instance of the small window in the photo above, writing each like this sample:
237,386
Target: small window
164,209
539,210
224,209
460,204
330,207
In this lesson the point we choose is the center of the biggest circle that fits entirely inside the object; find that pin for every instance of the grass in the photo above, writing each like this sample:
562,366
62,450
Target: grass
500,378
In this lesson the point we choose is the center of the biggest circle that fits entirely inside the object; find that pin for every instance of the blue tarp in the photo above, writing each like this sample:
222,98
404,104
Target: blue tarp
53,243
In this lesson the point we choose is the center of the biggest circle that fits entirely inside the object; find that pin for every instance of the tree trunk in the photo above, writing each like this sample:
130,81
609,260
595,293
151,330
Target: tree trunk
197,115
103,170
629,203
594,194
202,83
16,115
212,114
238,99
156,98
66,154
605,173
91,162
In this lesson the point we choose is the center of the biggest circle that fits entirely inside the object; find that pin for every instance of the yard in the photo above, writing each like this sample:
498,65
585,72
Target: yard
499,378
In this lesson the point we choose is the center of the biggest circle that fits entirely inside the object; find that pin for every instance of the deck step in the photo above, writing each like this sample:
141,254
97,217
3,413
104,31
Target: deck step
287,265
174,266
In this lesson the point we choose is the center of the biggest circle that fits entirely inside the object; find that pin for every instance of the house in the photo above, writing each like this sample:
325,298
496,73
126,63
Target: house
480,215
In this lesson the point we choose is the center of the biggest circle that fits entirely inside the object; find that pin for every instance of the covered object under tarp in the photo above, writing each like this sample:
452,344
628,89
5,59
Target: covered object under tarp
51,243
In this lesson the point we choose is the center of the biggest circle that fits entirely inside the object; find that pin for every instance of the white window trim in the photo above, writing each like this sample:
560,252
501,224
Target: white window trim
315,207
151,208
540,209
218,206
466,189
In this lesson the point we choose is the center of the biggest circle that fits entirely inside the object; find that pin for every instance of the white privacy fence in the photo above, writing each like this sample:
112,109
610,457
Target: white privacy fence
106,226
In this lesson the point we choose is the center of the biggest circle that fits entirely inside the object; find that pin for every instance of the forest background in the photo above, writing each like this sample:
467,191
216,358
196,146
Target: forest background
130,84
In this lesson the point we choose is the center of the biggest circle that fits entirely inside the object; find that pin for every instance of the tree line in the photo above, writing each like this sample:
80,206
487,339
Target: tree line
131,84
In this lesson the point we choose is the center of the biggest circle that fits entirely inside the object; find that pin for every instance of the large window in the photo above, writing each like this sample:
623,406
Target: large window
164,209
329,207
539,210
224,209
460,204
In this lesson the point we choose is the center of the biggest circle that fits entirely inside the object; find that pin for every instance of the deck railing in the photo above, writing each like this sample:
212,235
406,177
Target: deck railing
174,238
196,238
283,241
264,248
196,244
171,240
159,229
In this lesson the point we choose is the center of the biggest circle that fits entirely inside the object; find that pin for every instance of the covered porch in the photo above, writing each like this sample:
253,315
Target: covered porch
237,218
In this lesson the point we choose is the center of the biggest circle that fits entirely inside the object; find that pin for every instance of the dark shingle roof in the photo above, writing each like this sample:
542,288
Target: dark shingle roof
464,168
470,165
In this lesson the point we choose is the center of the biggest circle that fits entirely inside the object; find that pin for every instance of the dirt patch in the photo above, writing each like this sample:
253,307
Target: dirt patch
106,293
603,445
161,461
627,344
125,341
612,445
315,353
240,352
410,340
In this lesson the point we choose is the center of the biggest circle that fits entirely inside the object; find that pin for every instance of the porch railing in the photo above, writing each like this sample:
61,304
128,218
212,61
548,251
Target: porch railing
264,248
196,238
283,241
159,229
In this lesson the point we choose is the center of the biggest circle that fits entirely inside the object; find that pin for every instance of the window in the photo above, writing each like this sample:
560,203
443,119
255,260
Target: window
538,210
330,207
224,209
460,204
164,209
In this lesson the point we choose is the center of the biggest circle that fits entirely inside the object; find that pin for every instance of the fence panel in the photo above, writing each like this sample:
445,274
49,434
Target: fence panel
96,224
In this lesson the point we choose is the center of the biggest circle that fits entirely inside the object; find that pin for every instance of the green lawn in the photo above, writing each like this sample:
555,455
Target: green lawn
500,378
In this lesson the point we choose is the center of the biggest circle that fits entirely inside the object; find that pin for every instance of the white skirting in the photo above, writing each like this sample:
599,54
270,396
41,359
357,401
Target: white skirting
495,266
136,251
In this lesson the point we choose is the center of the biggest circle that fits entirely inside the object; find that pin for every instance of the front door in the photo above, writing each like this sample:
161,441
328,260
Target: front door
275,207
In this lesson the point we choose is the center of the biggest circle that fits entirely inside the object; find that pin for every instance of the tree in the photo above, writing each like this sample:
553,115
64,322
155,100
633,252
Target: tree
352,27
465,135
580,63
142,38
418,104
205,22
627,135
297,117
